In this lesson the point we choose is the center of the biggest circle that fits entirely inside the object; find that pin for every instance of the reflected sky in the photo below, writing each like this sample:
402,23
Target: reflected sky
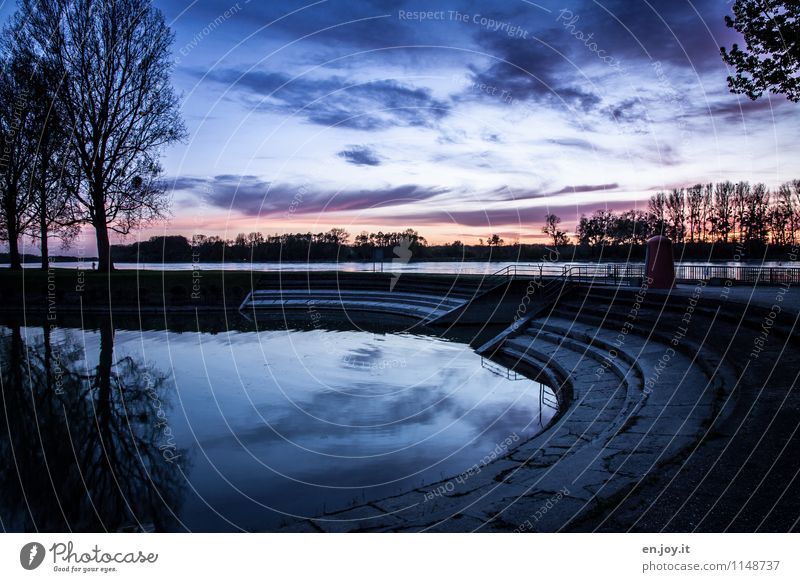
249,428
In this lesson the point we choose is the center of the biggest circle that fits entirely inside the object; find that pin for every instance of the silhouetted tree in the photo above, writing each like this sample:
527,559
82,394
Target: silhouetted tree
771,60
741,192
631,227
721,217
53,179
495,241
17,140
785,214
657,206
118,98
550,228
676,213
695,212
708,209
756,225
596,229
89,441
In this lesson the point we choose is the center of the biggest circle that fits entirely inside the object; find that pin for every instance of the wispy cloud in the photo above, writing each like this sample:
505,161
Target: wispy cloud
360,156
335,101
253,196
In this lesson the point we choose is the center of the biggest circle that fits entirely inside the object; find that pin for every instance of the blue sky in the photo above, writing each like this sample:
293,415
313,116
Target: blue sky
470,119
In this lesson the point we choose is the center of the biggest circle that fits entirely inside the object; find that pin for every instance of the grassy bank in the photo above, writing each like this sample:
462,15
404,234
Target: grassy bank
66,289
175,291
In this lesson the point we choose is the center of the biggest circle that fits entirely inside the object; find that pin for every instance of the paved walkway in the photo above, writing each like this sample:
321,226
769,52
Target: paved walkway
742,294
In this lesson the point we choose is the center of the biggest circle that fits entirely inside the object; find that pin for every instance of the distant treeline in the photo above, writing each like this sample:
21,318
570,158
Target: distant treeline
718,221
750,216
312,247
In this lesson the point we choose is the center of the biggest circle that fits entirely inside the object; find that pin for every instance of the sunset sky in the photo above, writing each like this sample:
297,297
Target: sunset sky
479,119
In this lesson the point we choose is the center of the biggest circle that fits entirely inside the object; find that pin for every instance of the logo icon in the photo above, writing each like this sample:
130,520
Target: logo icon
31,555
403,253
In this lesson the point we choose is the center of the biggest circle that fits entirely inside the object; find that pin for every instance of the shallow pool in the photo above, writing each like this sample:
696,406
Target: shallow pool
243,429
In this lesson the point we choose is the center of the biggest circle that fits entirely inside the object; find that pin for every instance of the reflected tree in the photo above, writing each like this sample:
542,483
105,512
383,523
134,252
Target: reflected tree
87,445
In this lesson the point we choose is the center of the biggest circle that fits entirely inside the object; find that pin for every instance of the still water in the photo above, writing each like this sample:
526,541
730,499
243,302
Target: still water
389,265
240,427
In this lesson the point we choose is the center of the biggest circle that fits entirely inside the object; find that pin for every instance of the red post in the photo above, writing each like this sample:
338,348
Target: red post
659,264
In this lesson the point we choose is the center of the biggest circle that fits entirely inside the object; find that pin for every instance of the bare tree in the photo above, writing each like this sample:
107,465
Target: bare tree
756,225
676,211
708,208
16,142
52,178
741,193
657,207
596,230
119,103
550,228
694,203
723,208
783,216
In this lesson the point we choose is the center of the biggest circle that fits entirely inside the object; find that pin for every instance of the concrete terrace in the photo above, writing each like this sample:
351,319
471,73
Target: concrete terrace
672,403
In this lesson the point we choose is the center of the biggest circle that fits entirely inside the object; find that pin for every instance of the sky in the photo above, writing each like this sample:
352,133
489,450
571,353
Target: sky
467,119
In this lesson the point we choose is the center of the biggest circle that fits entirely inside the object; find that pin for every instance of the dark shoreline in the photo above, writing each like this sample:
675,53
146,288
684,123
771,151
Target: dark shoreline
156,291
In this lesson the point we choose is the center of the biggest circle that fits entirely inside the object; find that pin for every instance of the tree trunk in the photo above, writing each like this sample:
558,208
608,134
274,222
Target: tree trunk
12,226
45,162
104,263
43,234
13,249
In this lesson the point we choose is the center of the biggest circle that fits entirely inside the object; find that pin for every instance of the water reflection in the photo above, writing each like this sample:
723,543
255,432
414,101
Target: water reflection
207,426
83,445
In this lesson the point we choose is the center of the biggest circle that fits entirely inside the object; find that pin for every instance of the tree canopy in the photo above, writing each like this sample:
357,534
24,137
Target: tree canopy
771,59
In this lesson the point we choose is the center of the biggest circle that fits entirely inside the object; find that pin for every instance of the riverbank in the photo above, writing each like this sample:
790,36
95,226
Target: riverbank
142,291
175,291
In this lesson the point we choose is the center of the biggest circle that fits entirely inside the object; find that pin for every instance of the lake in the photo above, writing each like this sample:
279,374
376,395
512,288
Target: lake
243,426
449,267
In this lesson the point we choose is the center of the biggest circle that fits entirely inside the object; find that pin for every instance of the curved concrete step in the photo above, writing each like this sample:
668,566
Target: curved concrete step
424,307
653,402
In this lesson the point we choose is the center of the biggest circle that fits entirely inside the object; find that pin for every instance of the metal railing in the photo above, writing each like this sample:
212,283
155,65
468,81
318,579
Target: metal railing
501,370
633,272
547,395
753,275
547,399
